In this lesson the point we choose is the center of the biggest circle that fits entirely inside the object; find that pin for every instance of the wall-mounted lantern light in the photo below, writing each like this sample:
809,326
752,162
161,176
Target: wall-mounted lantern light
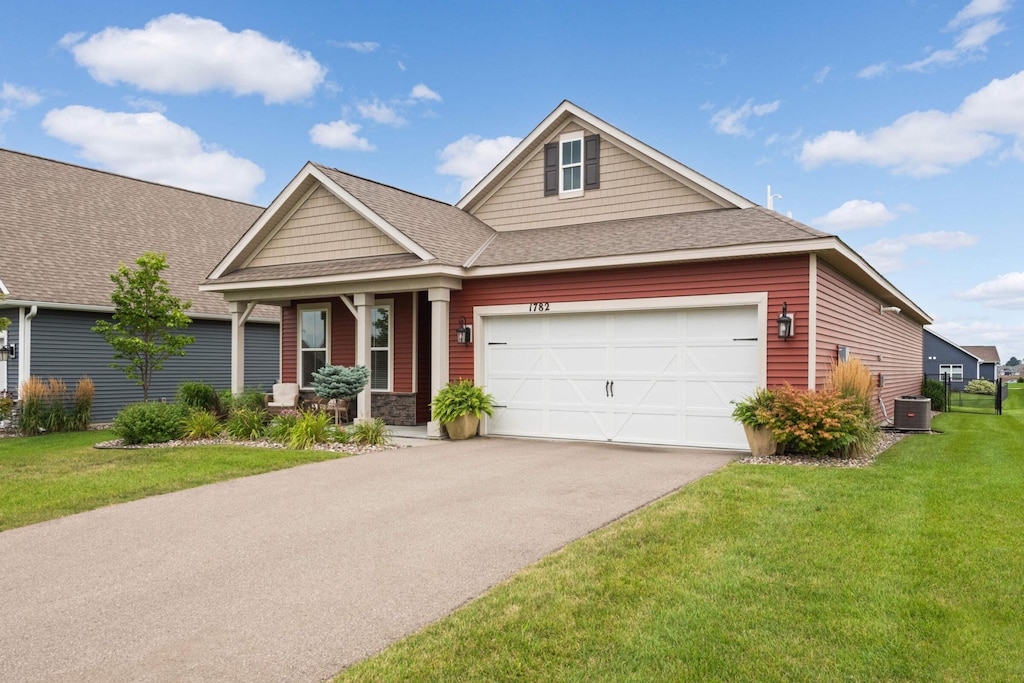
785,323
8,352
464,333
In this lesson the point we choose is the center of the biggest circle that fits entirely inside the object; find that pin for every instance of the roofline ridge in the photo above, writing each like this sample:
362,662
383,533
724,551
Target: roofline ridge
128,177
393,187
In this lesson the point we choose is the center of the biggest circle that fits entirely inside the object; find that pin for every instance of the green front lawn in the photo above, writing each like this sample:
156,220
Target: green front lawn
910,570
44,477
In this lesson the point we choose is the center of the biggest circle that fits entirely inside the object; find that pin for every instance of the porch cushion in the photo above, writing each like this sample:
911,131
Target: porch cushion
286,395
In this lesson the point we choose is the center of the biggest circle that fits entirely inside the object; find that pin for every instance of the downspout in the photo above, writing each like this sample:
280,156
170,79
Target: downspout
25,344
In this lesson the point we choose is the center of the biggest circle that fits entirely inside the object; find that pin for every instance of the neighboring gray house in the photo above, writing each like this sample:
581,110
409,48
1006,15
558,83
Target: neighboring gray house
962,363
65,228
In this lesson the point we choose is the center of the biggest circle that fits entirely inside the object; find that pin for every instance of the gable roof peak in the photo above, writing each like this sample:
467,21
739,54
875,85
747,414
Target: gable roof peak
566,109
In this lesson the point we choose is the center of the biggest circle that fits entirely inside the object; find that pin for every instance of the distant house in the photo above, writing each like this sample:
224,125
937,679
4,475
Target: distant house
961,363
598,288
65,228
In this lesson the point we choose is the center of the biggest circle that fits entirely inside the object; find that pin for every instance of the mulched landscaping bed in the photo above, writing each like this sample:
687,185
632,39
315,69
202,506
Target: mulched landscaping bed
886,439
336,447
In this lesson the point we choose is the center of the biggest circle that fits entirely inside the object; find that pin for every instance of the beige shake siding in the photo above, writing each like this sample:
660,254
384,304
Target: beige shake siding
322,229
630,188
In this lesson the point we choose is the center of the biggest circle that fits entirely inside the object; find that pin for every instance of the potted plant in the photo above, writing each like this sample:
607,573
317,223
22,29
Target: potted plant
755,412
459,407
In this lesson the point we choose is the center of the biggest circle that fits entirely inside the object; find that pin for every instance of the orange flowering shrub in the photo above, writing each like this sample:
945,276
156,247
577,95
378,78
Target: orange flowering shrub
819,423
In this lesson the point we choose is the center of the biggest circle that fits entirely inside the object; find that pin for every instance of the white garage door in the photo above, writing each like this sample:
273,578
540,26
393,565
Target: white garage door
657,377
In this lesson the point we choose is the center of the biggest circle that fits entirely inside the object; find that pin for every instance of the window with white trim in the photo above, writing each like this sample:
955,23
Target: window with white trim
381,333
955,372
571,164
314,326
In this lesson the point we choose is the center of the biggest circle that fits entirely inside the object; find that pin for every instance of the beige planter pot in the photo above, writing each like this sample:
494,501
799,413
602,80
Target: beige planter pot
463,427
760,440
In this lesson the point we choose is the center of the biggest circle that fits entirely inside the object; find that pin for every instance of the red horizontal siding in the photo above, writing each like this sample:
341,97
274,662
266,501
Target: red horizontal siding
888,344
784,278
402,323
289,340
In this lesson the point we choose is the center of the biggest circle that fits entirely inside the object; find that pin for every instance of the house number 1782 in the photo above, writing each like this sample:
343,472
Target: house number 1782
534,308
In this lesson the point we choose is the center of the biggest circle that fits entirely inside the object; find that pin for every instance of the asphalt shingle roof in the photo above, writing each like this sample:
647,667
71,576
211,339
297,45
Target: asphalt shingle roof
988,354
65,228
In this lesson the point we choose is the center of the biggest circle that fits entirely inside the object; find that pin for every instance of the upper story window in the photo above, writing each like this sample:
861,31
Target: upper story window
572,165
314,324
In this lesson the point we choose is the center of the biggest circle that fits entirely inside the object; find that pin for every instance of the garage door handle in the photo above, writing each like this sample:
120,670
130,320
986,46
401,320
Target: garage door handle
613,388
606,383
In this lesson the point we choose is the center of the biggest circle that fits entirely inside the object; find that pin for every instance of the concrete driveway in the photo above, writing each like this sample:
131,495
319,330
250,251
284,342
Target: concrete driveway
293,575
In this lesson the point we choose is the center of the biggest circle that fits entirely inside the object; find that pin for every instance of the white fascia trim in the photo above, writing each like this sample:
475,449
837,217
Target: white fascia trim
365,211
812,322
256,228
341,280
623,139
311,171
84,308
3,288
877,277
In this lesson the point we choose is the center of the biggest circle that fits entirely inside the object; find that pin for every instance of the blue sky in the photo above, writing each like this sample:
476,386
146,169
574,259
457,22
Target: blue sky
897,125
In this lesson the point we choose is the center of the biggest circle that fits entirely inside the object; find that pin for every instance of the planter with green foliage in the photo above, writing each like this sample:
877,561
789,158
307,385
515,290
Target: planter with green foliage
755,413
459,407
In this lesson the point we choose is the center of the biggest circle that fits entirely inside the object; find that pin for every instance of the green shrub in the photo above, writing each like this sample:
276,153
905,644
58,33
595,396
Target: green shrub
152,422
249,399
370,433
980,386
460,398
936,391
198,395
81,411
247,423
820,423
201,424
311,428
755,410
280,428
6,406
54,414
30,415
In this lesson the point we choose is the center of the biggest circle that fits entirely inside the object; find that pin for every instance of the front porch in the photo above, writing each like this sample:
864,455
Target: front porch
401,334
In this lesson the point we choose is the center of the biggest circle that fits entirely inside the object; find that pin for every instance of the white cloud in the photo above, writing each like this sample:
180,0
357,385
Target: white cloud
149,146
18,96
931,142
422,92
820,77
339,135
145,104
401,66
977,9
1005,292
887,254
179,54
734,121
381,113
981,26
364,47
856,213
471,157
874,70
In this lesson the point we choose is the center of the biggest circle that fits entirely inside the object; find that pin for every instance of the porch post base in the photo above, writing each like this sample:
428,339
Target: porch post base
435,430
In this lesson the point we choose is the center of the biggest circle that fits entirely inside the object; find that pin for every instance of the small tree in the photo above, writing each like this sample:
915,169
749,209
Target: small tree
1012,363
335,382
145,317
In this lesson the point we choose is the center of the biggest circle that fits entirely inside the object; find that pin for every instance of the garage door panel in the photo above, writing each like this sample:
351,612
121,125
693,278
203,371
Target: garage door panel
661,377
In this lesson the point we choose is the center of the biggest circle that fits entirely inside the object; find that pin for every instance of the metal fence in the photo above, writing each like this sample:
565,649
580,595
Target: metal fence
961,396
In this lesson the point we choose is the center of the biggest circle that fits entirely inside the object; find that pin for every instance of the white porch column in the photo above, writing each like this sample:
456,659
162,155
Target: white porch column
439,298
364,323
240,312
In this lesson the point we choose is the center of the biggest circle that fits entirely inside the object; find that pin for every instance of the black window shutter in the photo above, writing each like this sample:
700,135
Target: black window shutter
550,168
592,162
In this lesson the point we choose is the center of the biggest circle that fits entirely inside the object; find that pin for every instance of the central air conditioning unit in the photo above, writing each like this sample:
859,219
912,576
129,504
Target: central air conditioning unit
913,414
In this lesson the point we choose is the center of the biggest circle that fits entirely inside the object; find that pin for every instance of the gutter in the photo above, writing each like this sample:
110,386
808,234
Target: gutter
25,344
